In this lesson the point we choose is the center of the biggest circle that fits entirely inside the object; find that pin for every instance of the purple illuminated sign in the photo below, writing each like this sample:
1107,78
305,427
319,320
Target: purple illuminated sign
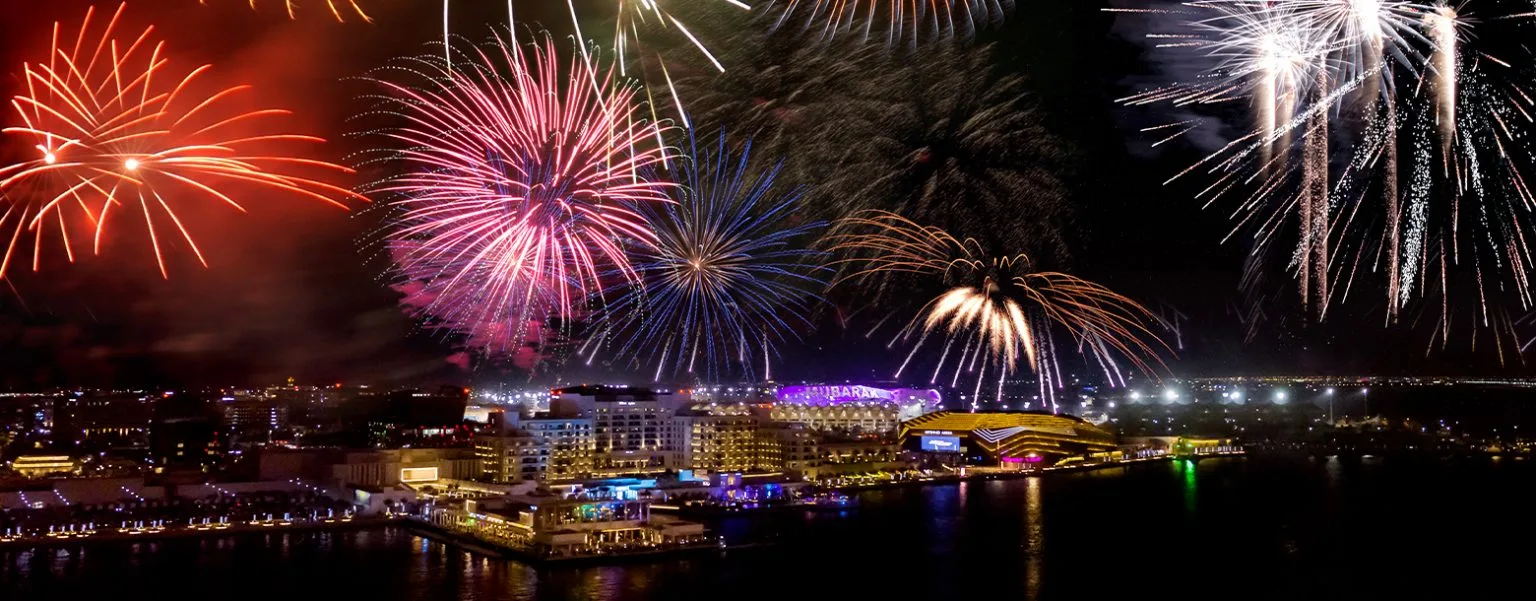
835,394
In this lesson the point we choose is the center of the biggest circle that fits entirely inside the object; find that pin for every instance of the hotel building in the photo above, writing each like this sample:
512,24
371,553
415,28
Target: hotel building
633,429
717,438
540,449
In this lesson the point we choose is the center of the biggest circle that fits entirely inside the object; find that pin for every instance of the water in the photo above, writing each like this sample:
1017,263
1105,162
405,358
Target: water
1233,528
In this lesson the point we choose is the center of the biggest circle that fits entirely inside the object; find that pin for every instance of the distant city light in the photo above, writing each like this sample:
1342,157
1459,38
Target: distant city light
1171,394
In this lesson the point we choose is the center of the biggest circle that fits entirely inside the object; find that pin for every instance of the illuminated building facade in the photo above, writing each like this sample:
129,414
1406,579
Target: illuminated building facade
554,527
1007,438
386,468
95,421
570,445
253,417
789,448
874,418
853,408
541,449
717,438
40,466
633,429
511,457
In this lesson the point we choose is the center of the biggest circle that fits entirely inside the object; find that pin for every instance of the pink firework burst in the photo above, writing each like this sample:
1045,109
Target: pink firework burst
518,182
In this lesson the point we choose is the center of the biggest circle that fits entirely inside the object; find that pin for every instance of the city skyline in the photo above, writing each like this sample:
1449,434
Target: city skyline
625,300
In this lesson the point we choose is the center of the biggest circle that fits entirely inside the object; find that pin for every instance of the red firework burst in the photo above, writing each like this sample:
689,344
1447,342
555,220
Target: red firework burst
115,128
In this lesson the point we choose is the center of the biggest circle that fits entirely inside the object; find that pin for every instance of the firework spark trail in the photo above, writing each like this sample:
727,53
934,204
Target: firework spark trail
1000,311
1319,59
1316,217
1373,21
520,185
340,9
115,125
1391,193
729,274
922,18
1443,65
634,21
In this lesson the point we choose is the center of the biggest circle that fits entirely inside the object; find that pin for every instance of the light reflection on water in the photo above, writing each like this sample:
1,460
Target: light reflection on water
1034,538
1253,531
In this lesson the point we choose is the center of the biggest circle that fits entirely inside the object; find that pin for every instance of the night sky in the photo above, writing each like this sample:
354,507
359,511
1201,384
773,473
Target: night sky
293,291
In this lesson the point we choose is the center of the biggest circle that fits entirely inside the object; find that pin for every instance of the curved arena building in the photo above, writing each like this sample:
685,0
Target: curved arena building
1004,438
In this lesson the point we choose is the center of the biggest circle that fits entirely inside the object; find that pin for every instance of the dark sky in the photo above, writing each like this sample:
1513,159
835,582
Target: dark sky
288,291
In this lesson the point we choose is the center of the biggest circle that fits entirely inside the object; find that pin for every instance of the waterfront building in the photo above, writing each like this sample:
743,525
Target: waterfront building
1027,438
1148,446
570,444
548,526
852,408
790,448
851,417
716,438
633,429
539,449
514,456
841,457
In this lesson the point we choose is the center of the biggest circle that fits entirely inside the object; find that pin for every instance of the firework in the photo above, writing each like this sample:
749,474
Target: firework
635,21
341,9
118,131
947,143
729,278
903,20
1347,83
517,188
788,95
998,315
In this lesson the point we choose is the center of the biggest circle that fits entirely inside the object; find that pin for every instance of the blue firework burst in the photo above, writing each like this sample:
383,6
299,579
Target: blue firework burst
730,278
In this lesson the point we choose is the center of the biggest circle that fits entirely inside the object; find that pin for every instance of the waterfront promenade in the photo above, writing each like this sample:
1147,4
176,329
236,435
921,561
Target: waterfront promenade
488,534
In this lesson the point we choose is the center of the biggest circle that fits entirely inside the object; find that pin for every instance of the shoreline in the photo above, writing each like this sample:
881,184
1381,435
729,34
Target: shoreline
183,533
474,545
1018,475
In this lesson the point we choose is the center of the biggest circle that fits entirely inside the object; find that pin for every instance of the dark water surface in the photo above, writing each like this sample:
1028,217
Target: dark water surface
1228,529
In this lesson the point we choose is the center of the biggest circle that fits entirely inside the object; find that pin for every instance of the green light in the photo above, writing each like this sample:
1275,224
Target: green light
1189,484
